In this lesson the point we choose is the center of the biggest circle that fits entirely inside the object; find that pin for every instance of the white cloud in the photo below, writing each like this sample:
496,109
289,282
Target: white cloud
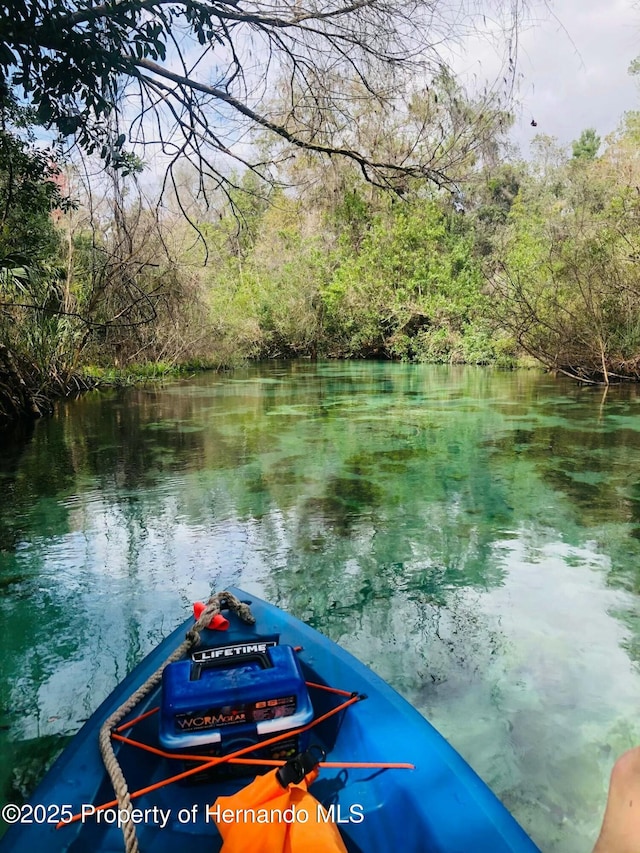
575,69
572,67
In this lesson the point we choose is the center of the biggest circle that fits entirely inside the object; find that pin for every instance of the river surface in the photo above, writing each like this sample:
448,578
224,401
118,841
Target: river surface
472,535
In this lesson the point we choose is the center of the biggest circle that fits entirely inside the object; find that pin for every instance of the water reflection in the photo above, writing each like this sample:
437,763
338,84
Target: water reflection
471,535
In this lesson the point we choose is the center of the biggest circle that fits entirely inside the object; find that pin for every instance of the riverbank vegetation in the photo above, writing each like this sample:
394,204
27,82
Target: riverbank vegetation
424,238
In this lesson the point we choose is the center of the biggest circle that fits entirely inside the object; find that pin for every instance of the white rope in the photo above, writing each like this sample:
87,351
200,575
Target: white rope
212,608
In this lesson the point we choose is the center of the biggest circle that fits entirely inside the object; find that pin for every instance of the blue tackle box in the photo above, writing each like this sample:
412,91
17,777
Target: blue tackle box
225,698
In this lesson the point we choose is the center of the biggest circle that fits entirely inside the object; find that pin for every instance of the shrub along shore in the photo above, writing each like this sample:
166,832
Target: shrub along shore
537,259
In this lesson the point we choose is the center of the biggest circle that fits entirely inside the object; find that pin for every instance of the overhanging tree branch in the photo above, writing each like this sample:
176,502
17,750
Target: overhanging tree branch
299,72
369,167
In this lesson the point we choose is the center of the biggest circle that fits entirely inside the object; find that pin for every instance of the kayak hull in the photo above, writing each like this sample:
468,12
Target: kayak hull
441,806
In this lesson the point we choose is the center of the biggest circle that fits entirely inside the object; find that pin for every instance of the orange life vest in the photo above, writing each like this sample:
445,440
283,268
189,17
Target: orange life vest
264,817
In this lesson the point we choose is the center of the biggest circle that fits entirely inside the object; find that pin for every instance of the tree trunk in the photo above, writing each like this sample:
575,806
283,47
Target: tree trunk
16,399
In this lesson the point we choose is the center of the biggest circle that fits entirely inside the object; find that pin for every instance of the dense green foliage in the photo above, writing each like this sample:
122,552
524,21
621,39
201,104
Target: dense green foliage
587,146
536,258
32,321
412,290
377,279
566,276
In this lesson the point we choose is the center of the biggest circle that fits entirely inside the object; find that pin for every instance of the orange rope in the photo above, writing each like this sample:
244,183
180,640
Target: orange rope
155,751
137,719
221,759
265,762
329,689
367,765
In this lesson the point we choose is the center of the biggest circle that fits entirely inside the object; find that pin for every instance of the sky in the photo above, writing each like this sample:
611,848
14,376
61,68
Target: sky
574,69
572,61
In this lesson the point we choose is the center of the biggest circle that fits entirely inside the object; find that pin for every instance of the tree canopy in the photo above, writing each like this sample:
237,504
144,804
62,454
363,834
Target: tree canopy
587,146
193,78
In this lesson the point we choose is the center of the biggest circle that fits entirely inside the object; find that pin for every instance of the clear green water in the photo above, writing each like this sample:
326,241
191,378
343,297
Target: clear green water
473,536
